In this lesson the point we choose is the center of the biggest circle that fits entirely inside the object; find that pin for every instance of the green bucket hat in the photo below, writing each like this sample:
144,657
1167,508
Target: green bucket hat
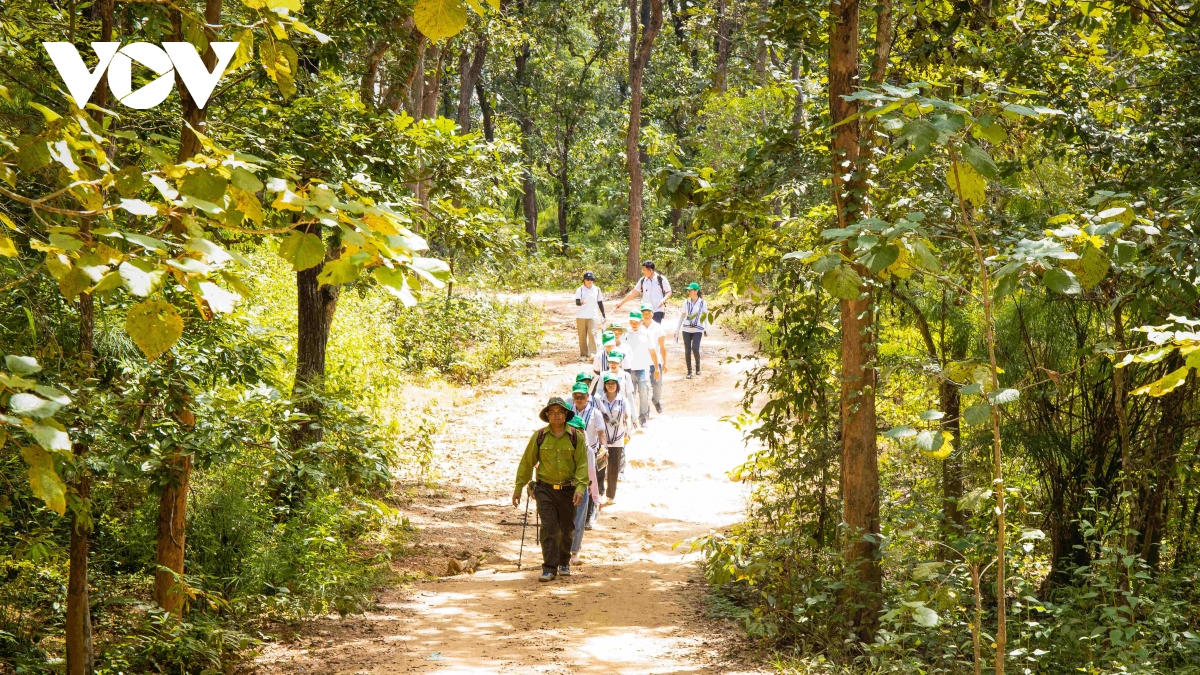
556,401
616,326
693,286
584,377
579,388
576,422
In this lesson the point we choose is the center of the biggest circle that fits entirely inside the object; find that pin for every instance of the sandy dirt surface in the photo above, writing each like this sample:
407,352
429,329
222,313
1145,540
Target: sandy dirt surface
636,605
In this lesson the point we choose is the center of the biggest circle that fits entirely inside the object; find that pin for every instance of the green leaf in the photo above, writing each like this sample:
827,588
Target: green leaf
32,405
154,326
931,415
440,19
826,263
967,183
138,281
435,271
205,185
1090,267
245,180
1061,281
842,283
33,156
344,270
977,414
925,257
22,365
910,160
219,300
1004,396
43,480
302,250
900,432
881,257
73,283
925,570
919,132
925,617
395,283
138,207
981,161
930,440
50,435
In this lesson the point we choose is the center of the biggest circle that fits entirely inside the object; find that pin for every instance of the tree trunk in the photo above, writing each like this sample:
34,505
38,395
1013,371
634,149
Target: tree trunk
433,80
416,90
760,49
366,91
1157,473
315,307
172,531
860,468
677,226
722,46
953,521
485,111
883,43
639,57
799,113
468,76
193,115
528,187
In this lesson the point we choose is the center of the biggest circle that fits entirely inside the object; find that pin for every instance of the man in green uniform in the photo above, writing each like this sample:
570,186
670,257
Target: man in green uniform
560,454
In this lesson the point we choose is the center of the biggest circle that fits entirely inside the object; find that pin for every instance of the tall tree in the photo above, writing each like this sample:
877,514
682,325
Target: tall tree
639,58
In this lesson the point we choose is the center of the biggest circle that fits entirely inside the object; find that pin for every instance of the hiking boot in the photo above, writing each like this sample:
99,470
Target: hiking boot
547,575
689,375
658,408
564,570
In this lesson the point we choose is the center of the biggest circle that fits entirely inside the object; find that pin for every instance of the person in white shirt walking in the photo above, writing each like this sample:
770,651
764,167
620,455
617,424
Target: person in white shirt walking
640,362
654,289
590,422
611,406
590,300
693,323
658,343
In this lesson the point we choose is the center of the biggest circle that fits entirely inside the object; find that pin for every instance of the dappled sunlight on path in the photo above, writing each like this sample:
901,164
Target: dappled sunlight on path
634,606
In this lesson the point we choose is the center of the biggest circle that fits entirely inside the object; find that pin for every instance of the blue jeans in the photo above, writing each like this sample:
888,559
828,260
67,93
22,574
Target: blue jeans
641,385
581,514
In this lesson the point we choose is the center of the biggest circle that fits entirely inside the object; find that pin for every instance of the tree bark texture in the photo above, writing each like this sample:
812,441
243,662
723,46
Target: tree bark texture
193,115
722,47
860,468
433,81
172,531
485,111
469,71
639,57
528,187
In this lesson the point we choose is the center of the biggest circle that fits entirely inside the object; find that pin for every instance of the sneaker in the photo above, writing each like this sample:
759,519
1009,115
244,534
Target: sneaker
689,376
658,408
548,576
575,559
564,570
697,372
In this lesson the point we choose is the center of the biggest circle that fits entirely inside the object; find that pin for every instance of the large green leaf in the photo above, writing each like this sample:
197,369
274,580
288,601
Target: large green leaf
977,414
43,480
881,257
32,405
302,250
440,19
1166,384
842,283
980,161
1090,267
344,270
930,440
154,326
1061,281
22,365
50,435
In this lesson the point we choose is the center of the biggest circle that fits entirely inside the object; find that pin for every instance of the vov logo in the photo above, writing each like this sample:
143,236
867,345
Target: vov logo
117,61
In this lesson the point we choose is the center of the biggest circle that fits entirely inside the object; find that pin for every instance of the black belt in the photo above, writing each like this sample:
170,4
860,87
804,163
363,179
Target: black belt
556,486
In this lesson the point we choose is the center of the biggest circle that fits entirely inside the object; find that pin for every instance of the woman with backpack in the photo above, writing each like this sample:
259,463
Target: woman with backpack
613,410
693,323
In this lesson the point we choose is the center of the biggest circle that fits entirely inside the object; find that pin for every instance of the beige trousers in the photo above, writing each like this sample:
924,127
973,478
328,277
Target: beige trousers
587,336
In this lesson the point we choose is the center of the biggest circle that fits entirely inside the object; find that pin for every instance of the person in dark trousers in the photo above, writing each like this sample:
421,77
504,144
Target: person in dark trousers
693,323
613,410
560,455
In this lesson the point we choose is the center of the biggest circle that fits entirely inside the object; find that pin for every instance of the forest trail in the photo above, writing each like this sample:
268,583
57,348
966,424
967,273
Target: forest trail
636,605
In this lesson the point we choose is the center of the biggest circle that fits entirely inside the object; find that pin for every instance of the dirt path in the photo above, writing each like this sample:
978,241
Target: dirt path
634,606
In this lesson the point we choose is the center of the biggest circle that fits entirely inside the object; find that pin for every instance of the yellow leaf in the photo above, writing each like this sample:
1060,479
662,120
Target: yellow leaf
245,50
1165,385
941,453
967,183
440,19
43,480
154,326
247,203
7,249
1090,267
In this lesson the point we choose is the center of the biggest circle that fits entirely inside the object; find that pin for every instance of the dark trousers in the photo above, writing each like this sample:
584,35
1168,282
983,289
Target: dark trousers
691,345
606,477
556,508
658,316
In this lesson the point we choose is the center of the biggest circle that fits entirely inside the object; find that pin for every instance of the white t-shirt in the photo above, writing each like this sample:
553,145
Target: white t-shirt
591,298
651,292
637,350
655,331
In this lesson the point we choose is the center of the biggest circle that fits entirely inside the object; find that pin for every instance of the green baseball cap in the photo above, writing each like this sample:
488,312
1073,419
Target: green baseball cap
693,286
607,337
647,307
635,315
576,422
579,388
615,355
556,401
583,377
609,377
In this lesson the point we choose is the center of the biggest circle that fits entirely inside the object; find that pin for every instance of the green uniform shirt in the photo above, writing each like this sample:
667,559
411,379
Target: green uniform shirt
558,461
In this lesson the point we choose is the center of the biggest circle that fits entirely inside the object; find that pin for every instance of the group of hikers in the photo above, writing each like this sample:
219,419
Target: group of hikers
580,454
